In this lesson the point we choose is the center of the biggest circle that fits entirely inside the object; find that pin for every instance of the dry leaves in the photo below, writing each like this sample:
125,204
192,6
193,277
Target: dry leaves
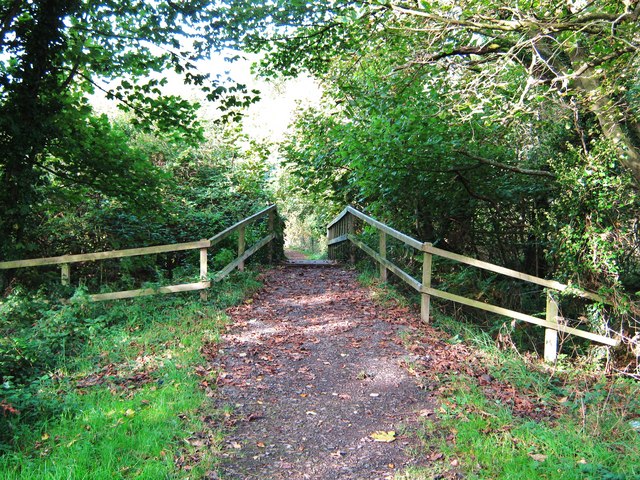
382,436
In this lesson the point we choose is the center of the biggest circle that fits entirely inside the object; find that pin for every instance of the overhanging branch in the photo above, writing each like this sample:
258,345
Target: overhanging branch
504,166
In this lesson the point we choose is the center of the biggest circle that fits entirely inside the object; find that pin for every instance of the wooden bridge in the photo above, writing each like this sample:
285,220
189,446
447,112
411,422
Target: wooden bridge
342,238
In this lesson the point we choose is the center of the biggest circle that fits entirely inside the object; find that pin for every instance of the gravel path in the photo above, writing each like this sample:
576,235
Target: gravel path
311,369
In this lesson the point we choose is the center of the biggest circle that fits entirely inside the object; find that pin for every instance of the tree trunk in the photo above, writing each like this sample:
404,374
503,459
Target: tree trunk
609,115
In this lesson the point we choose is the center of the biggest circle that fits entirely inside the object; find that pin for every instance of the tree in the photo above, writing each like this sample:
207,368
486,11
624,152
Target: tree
582,53
57,52
588,52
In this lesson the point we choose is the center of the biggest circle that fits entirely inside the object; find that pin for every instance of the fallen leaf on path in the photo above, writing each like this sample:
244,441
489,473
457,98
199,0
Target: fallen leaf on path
382,436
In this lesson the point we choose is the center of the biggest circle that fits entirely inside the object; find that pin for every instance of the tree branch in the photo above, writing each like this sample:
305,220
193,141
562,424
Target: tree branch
504,166
465,183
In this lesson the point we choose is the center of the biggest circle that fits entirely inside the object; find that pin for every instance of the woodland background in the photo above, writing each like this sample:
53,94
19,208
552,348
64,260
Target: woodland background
510,133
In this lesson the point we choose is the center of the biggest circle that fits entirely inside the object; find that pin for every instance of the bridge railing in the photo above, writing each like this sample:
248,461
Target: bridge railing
341,233
65,261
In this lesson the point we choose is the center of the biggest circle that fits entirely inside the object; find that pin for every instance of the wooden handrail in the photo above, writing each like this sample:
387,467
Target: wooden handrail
228,231
379,225
202,245
552,284
429,248
341,230
88,257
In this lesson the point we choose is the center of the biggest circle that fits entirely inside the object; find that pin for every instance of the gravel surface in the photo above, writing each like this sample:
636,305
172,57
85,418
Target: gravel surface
310,369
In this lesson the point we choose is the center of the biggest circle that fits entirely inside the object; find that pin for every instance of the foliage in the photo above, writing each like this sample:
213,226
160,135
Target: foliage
508,134
203,191
55,54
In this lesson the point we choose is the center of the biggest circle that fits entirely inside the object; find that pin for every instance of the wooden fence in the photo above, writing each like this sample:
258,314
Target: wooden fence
342,229
244,253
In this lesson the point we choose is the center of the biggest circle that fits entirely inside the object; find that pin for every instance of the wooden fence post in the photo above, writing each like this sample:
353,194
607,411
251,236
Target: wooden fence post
383,253
65,274
203,272
241,246
351,229
551,335
272,223
425,300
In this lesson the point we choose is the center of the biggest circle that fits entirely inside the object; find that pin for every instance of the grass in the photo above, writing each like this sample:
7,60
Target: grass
490,442
310,254
590,434
134,403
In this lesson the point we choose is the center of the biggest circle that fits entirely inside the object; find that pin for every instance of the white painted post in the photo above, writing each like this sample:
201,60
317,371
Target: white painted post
551,335
382,248
203,272
425,300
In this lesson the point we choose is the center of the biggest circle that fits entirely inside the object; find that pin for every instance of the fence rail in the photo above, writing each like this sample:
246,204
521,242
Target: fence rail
342,231
65,261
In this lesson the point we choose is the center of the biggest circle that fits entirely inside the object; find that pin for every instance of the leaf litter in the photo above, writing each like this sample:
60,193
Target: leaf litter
312,359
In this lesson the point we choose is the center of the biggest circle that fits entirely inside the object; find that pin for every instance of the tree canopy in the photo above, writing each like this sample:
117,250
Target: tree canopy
55,53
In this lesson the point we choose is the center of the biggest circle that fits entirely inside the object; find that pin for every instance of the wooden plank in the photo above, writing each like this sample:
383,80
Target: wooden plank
65,274
185,287
242,245
427,247
351,230
550,334
382,251
521,316
228,231
271,228
89,257
204,266
391,266
425,299
388,230
340,239
229,268
338,218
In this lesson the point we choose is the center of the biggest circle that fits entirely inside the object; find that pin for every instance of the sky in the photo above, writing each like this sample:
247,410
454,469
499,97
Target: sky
266,120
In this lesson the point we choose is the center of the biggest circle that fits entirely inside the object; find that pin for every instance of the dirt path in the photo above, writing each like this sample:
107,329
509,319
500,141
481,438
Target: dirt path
311,368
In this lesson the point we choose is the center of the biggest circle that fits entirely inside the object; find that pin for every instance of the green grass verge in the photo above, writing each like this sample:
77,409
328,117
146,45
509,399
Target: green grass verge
133,403
591,434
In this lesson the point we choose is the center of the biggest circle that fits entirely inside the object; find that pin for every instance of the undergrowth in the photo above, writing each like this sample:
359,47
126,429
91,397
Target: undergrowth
584,424
112,390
